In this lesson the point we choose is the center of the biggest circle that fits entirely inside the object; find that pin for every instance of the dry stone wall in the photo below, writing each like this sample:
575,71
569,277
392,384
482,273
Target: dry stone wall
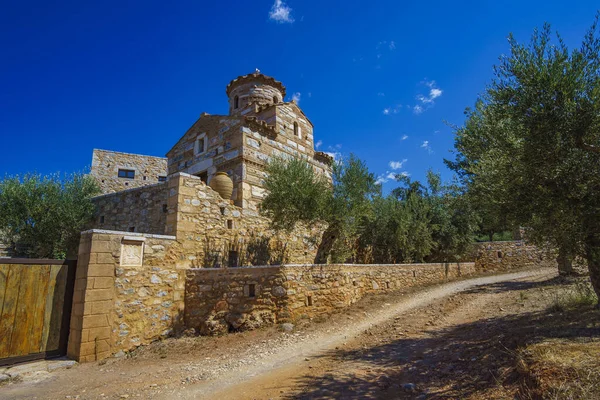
135,210
510,255
106,165
221,300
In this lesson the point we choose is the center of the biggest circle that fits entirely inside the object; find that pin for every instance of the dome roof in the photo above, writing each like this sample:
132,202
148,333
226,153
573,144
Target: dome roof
256,76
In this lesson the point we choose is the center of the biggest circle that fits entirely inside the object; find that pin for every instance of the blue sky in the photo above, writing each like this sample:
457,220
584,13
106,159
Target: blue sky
377,78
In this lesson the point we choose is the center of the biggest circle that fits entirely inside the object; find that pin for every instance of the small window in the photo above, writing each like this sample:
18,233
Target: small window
165,208
236,102
309,301
387,285
201,144
222,210
102,219
126,173
297,130
229,224
233,259
132,229
252,290
144,178
162,178
275,100
203,176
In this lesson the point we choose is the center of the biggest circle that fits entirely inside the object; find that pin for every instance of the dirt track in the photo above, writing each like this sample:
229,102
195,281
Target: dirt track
364,352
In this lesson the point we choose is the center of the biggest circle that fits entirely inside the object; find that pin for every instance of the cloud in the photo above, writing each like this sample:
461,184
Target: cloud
428,100
381,94
384,43
296,97
334,151
404,137
318,144
425,145
392,110
390,176
281,13
397,164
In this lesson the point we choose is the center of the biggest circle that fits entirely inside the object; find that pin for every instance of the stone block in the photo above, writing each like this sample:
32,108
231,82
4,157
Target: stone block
103,282
101,307
98,294
101,270
95,321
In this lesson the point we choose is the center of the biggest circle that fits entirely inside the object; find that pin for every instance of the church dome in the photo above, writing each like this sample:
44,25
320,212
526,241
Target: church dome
253,88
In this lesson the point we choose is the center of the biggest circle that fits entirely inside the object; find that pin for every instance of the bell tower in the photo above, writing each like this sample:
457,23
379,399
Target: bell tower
254,88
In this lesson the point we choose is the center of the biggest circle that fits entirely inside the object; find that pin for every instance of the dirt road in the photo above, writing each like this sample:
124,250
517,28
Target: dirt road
383,346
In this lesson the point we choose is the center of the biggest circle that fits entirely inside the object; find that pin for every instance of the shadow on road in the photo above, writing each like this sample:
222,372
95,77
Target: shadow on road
458,361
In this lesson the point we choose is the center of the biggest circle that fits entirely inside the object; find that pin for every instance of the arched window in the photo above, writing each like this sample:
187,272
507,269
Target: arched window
297,131
275,100
236,102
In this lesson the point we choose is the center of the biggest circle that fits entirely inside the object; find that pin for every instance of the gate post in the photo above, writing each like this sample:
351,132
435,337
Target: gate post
93,299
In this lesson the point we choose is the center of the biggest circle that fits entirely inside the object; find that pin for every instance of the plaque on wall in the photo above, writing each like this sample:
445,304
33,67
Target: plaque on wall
132,252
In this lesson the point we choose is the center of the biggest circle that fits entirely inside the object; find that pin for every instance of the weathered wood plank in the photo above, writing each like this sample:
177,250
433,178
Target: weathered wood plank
4,268
53,340
19,345
9,309
49,309
42,274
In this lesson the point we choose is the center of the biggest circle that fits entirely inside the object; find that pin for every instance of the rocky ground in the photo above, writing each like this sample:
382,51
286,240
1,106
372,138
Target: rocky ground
457,340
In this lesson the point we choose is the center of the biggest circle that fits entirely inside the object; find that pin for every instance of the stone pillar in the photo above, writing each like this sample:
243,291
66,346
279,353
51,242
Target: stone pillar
93,299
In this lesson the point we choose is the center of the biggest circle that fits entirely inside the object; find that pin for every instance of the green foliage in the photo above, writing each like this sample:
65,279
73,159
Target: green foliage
295,193
419,223
44,215
532,144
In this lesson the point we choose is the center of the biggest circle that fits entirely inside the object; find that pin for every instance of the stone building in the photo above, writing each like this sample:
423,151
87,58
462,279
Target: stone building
260,125
116,171
156,195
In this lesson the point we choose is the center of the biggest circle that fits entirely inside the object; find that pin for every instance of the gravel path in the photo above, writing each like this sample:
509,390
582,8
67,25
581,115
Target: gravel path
303,348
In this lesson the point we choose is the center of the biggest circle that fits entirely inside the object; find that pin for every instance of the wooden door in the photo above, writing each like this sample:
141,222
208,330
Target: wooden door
35,308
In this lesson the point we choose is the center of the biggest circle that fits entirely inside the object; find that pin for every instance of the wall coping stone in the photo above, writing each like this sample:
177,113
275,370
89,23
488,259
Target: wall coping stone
131,234
129,154
145,187
248,267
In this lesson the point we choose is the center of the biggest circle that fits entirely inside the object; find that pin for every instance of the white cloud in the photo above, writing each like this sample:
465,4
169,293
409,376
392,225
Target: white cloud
392,110
397,164
381,94
392,45
390,176
334,151
404,137
281,13
296,97
425,145
318,144
429,99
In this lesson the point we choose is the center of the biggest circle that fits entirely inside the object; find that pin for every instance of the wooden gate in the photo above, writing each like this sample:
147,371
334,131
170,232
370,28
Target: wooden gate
35,308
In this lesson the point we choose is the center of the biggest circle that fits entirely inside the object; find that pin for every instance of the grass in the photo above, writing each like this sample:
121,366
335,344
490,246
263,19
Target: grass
574,296
561,369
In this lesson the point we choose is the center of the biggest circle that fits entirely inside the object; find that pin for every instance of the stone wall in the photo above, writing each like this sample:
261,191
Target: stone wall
135,210
222,300
504,256
106,165
214,232
127,293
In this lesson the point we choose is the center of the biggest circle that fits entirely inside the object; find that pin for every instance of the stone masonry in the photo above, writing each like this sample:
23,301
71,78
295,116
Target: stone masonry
115,171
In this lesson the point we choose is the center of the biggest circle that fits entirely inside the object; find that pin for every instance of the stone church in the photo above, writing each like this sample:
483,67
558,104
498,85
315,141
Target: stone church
260,125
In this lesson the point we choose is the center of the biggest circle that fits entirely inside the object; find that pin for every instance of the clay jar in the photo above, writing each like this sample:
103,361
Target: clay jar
222,184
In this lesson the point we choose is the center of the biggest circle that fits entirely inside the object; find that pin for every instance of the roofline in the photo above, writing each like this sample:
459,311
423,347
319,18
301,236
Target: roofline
128,154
